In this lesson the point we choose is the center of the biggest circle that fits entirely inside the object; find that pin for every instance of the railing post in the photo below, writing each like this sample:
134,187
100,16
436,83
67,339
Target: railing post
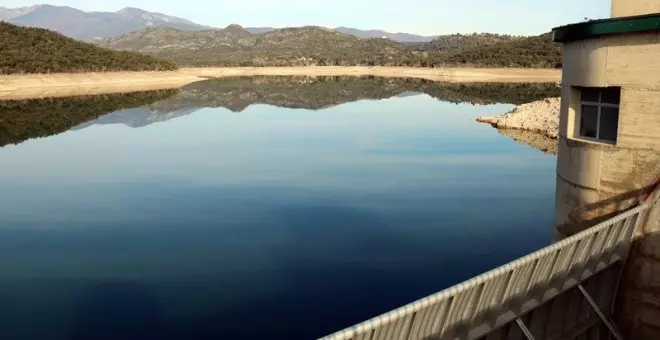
528,334
606,321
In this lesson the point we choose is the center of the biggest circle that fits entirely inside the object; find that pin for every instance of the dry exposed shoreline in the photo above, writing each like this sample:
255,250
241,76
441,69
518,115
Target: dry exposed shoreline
71,84
541,117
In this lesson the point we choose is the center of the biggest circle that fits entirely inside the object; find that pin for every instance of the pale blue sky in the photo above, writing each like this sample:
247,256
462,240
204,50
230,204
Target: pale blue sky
414,16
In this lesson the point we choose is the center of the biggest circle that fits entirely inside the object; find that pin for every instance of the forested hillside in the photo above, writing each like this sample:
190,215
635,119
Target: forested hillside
302,46
235,46
35,50
538,51
459,42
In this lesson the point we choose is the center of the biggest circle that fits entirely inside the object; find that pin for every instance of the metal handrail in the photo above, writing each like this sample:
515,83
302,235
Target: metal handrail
465,307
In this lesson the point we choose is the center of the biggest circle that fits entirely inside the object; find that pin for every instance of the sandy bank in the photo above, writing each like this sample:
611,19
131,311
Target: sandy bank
540,116
69,84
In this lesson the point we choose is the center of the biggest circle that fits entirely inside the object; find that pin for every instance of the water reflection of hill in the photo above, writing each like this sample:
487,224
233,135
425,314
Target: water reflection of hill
21,120
533,139
138,117
314,93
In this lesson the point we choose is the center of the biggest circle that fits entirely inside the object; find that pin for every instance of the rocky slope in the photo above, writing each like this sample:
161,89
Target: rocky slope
541,116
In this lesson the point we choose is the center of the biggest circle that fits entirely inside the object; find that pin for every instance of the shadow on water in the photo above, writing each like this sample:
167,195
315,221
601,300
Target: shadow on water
333,265
373,274
117,310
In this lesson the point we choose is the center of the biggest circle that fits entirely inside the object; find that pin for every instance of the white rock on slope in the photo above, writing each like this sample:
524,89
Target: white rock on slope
540,116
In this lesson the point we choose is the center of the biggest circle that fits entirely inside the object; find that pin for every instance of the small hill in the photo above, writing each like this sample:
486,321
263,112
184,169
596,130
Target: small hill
82,25
35,50
235,46
455,43
170,42
536,51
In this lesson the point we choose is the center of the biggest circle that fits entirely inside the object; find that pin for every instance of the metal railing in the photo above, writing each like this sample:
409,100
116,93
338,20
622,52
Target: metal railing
501,296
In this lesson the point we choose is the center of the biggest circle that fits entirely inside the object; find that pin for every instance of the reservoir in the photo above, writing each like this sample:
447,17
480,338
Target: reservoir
257,208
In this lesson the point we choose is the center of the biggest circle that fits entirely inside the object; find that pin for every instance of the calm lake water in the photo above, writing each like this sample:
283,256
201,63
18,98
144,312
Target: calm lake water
212,216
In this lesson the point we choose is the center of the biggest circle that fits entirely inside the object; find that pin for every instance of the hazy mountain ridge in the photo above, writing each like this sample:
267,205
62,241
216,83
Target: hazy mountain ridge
189,44
375,33
364,34
82,25
260,30
10,13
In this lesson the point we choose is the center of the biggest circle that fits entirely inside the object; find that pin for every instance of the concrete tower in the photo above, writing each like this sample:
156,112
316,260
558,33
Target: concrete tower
609,143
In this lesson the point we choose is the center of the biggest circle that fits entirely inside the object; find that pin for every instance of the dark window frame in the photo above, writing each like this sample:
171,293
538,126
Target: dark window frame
599,105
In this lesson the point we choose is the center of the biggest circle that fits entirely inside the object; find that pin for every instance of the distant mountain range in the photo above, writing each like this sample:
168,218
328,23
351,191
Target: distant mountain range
260,30
82,25
312,45
190,44
400,37
89,25
364,34
235,46
11,13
